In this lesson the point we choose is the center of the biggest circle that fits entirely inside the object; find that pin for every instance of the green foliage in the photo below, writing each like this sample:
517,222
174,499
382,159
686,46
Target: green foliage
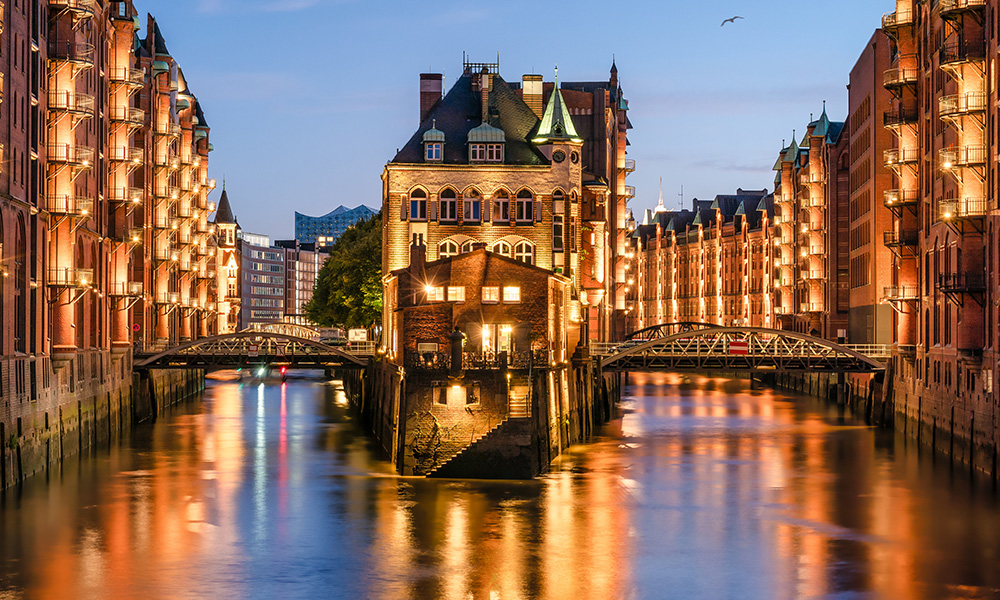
349,285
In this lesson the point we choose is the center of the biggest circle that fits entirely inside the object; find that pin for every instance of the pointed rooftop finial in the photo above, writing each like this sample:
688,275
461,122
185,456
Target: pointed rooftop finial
660,201
223,183
557,77
434,123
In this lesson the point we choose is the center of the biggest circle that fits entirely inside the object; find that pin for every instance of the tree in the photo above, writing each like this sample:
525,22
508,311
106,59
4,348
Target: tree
349,285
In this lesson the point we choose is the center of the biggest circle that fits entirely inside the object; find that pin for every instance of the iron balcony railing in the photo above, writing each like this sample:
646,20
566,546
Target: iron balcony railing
893,239
134,117
808,307
168,298
80,54
629,191
71,102
77,156
964,208
71,277
65,204
962,104
127,76
894,20
894,293
125,154
165,255
629,165
961,156
168,129
899,76
894,198
167,161
128,236
963,51
161,222
437,361
127,195
949,7
900,156
817,250
814,275
961,283
185,211
167,191
126,289
899,116
82,8
205,227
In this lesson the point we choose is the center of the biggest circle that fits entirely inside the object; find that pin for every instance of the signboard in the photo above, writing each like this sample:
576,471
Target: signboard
739,348
253,350
357,335
136,327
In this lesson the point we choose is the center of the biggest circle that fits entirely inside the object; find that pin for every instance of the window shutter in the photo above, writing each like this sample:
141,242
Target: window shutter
485,210
432,210
404,208
538,210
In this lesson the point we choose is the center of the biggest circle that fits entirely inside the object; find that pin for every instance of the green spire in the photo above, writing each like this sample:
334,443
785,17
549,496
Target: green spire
556,122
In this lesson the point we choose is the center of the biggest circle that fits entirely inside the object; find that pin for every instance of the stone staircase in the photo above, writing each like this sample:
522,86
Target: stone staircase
475,440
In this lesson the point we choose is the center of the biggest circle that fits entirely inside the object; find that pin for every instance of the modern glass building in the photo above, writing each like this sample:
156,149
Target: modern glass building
324,231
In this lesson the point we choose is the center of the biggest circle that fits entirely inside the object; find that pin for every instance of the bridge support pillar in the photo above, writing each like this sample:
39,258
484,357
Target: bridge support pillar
841,388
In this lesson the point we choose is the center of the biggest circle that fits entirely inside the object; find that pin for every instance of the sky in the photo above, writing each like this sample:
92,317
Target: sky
308,99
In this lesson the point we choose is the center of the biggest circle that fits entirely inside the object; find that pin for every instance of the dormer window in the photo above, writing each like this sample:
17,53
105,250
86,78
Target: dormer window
486,153
486,144
433,143
494,152
433,151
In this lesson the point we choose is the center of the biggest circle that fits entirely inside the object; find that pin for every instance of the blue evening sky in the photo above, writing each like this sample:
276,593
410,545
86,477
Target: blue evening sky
307,99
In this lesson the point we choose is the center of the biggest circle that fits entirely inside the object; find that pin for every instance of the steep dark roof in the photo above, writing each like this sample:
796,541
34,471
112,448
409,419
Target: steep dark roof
160,44
224,214
460,111
198,112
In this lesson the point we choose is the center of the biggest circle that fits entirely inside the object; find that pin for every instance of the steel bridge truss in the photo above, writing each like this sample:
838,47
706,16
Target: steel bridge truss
739,349
250,348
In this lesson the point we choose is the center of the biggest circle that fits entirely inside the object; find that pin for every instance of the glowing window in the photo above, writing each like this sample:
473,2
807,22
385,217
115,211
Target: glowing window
456,294
491,295
512,294
447,248
524,252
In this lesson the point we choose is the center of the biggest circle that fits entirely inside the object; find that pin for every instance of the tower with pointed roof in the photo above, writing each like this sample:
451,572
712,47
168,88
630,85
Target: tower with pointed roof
228,274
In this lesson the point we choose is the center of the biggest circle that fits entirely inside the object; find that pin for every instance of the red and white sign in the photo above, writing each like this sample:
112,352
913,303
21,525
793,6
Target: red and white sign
739,347
253,350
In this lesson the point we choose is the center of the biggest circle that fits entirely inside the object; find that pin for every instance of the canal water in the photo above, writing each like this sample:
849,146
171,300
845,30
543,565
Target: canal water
704,488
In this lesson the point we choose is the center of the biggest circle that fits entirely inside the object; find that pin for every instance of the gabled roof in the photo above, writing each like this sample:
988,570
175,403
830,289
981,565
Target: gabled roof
792,152
460,111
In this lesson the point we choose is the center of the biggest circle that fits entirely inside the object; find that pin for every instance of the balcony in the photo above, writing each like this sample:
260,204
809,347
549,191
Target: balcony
629,165
900,156
73,156
961,104
963,208
898,239
210,183
78,105
168,298
168,129
133,117
962,283
891,22
187,265
901,198
125,154
817,250
126,289
78,8
168,192
207,274
954,8
165,255
160,222
185,211
80,55
130,236
70,206
901,293
184,237
134,78
71,277
811,307
961,156
167,162
629,191
899,117
962,52
125,195
899,76
205,227
814,275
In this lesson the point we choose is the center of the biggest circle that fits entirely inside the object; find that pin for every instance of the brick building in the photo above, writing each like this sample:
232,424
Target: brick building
535,171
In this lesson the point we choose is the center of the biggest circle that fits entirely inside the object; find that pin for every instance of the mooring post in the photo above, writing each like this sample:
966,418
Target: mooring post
841,388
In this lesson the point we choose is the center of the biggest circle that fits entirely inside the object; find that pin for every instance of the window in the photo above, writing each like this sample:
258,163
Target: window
494,153
512,294
467,246
472,212
501,207
524,252
525,206
433,152
477,152
418,205
557,233
434,294
491,295
449,205
456,294
502,248
447,248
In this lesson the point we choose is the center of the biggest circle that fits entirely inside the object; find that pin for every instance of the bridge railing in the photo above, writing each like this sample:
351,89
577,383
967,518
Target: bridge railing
605,349
437,361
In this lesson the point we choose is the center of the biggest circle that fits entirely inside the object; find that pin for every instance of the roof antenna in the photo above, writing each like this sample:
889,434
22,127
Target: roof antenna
557,77
681,197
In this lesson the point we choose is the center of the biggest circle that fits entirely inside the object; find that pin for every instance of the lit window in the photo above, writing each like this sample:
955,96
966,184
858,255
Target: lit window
525,206
502,248
524,253
494,153
467,247
434,294
449,205
501,207
557,233
456,294
512,294
477,152
433,152
447,248
491,295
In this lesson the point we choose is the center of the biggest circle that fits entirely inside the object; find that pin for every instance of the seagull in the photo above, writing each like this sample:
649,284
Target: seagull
733,20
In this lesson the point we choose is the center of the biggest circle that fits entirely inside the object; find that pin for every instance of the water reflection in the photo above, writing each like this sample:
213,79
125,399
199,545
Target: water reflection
705,488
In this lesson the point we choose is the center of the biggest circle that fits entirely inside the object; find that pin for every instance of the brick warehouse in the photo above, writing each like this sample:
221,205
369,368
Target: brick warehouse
104,237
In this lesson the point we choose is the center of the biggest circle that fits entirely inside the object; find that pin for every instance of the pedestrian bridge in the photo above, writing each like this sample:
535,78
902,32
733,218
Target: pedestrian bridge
248,348
706,347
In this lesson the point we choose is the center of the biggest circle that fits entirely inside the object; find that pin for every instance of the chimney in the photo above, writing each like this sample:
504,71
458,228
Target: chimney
531,93
418,256
431,89
484,93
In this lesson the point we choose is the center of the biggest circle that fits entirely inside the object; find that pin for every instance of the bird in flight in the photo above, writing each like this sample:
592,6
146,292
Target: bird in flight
732,20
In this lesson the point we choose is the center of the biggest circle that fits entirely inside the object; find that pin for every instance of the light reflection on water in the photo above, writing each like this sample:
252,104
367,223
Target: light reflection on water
705,488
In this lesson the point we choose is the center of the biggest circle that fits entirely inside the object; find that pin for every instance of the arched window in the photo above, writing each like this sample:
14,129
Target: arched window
449,205
502,248
525,206
467,246
447,248
20,288
524,252
501,207
472,207
418,205
558,220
